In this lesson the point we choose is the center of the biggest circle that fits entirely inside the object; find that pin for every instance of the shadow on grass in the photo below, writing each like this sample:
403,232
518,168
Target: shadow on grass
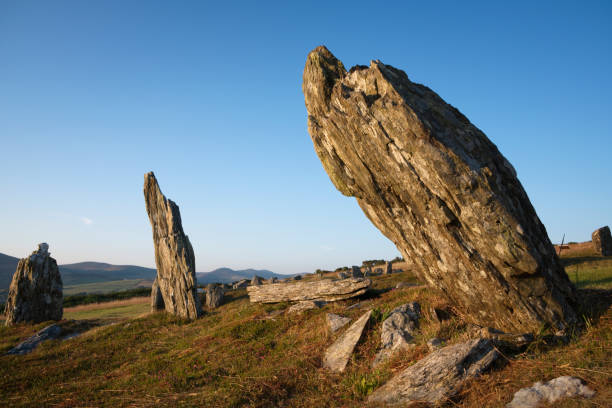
569,261
594,302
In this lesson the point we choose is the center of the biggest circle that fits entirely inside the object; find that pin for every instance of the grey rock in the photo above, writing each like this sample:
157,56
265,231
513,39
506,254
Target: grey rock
434,344
256,281
602,241
271,280
550,392
438,376
214,296
297,278
356,272
398,331
342,275
388,268
174,255
436,186
35,294
243,283
302,306
338,354
27,346
325,289
336,322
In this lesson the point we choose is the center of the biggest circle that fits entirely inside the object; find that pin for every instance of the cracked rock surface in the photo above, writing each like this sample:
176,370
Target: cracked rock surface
437,187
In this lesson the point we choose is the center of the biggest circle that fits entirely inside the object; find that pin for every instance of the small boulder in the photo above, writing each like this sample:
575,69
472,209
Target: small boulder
438,376
338,354
356,272
256,281
336,322
342,275
602,241
397,331
214,296
550,392
301,307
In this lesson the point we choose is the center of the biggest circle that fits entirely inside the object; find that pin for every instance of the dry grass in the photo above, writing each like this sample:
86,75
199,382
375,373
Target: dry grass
248,355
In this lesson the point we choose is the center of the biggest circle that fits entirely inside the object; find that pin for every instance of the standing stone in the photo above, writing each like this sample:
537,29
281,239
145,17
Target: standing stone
174,256
356,272
342,275
157,300
388,268
439,376
242,283
338,354
256,280
602,241
436,186
398,330
214,296
35,294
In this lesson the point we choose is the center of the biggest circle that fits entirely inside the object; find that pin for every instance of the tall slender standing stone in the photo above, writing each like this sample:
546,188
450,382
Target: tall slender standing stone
176,278
440,190
602,241
35,294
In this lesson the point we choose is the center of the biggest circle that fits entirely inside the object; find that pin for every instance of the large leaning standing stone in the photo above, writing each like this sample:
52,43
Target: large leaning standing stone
440,190
176,278
35,294
438,376
602,241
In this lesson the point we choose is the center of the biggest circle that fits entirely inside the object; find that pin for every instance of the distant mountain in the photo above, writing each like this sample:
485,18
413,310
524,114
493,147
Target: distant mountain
8,265
91,272
227,275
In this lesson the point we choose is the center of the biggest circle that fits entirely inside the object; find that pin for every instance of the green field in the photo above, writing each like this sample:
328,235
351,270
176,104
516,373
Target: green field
110,310
103,287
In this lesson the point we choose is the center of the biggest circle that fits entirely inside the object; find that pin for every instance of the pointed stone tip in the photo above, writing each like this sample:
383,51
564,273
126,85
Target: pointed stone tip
321,72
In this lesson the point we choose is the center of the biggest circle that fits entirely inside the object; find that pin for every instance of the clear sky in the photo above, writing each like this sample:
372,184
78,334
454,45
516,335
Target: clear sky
208,95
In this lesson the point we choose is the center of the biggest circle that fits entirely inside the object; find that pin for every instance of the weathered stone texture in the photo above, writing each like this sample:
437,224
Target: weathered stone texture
440,190
550,392
27,346
325,290
336,322
157,300
338,354
398,330
602,241
439,376
35,294
174,255
214,296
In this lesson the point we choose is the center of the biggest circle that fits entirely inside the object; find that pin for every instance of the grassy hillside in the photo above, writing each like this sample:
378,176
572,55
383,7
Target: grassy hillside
106,287
255,355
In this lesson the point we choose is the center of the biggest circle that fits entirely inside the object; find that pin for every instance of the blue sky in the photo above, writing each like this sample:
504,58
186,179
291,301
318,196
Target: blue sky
208,95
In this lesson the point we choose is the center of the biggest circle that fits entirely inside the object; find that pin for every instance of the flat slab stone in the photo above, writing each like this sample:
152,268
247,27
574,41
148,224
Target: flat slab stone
438,376
550,392
338,354
336,322
325,289
27,346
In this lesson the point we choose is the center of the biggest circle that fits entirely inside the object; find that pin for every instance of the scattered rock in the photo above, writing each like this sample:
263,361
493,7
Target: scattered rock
35,294
157,300
256,281
243,283
336,322
342,275
356,272
297,278
48,333
302,306
436,186
214,296
602,241
325,289
354,306
271,280
438,376
174,256
397,331
338,354
500,337
550,392
434,344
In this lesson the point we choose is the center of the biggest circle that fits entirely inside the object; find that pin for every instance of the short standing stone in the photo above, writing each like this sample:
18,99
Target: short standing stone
336,322
174,255
602,241
256,281
35,294
243,283
439,376
342,275
214,296
356,272
550,392
388,268
398,330
338,354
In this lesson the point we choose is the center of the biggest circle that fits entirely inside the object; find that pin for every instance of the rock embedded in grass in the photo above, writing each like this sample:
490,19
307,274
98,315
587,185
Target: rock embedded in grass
336,322
27,346
35,294
174,255
305,305
398,331
436,186
338,354
439,376
550,392
323,290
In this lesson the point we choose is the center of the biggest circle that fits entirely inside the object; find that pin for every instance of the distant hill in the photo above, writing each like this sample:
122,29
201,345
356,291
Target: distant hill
227,275
92,272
